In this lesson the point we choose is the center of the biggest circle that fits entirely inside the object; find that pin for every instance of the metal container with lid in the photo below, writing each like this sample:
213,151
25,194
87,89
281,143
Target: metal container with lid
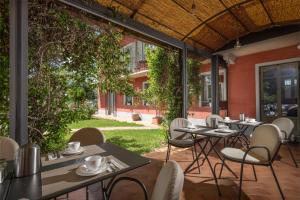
242,117
28,160
214,122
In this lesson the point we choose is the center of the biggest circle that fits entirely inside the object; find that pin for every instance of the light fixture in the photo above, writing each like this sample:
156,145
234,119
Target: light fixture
237,44
193,9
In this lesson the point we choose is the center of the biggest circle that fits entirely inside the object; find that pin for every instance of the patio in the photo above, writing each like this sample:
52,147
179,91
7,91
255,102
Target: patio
210,31
201,186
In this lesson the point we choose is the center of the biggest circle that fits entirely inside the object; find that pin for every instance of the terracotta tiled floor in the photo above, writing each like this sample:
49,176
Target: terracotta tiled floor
201,186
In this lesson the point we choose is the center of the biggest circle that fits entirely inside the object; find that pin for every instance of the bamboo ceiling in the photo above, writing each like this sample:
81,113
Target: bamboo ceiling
213,23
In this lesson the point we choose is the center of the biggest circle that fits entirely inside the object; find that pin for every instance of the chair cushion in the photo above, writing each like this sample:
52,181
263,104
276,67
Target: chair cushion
182,143
238,154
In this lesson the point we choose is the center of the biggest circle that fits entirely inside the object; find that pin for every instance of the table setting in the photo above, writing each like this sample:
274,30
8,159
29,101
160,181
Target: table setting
74,167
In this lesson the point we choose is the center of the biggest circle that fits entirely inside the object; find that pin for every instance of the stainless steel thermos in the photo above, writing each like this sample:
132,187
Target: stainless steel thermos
242,117
28,160
214,122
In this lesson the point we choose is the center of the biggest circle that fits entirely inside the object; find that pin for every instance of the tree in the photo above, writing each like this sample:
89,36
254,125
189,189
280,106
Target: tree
69,57
112,62
165,91
156,93
165,86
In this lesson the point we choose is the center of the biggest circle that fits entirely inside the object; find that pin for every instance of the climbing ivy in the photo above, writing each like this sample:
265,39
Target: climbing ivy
4,69
165,91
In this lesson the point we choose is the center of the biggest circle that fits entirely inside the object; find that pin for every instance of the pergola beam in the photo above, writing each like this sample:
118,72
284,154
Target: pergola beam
214,16
265,9
235,17
210,27
116,18
18,74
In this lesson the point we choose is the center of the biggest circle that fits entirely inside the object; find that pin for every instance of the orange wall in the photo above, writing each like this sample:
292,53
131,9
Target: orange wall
241,79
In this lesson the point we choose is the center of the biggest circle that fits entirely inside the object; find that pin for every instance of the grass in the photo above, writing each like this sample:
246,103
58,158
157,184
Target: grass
139,141
100,123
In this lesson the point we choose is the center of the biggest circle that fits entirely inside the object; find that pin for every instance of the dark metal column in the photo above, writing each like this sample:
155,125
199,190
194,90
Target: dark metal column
215,84
18,60
184,81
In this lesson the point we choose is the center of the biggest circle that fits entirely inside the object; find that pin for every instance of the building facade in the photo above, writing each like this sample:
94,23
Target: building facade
261,80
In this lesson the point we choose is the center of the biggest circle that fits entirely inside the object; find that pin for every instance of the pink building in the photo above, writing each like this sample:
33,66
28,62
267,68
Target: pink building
266,69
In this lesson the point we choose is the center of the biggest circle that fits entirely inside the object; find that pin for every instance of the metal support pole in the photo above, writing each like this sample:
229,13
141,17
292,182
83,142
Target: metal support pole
184,81
215,84
18,60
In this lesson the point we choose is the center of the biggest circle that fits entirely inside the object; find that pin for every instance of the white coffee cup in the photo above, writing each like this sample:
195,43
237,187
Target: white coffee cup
73,146
251,120
93,163
227,118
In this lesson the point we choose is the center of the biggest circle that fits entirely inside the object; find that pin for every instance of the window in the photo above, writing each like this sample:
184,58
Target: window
287,82
205,98
145,86
128,100
131,50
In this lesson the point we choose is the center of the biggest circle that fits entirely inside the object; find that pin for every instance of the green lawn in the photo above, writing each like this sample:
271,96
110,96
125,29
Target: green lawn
139,141
100,123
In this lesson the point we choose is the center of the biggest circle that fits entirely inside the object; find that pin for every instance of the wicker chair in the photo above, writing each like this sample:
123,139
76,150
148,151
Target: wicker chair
181,139
168,186
264,146
286,127
8,148
88,136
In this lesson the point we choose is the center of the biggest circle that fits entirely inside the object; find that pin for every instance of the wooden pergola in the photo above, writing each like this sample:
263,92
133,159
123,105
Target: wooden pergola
200,27
208,25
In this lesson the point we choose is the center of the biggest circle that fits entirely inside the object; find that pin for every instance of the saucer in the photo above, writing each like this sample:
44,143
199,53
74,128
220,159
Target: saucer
69,152
82,170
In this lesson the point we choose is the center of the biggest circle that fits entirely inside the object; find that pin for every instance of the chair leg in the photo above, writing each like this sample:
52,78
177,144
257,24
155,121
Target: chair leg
241,181
276,180
192,149
254,172
196,158
87,192
223,162
291,153
168,152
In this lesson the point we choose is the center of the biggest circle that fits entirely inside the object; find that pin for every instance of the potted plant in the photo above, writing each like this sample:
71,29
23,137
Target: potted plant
153,101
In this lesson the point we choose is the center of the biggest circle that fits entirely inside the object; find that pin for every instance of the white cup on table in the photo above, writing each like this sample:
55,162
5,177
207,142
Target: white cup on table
93,163
227,118
73,146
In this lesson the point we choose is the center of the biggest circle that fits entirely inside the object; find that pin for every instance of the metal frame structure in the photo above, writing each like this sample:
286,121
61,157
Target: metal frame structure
215,62
18,60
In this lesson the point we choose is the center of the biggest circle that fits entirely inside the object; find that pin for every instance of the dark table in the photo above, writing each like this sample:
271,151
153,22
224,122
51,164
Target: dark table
210,133
58,177
242,126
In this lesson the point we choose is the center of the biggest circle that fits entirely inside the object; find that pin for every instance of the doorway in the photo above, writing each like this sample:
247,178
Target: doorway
279,92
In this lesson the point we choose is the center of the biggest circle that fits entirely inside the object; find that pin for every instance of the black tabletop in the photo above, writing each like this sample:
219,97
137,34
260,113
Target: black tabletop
37,186
207,131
